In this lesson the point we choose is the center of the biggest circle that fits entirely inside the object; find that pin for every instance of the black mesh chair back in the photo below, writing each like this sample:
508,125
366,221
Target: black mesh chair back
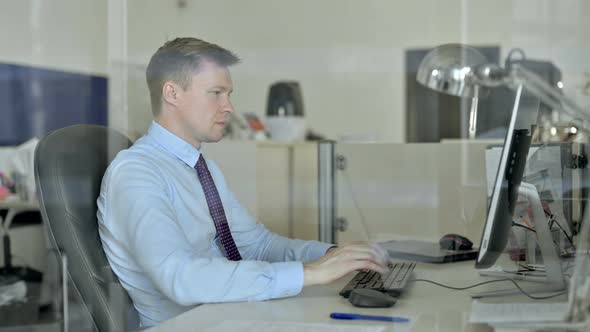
69,166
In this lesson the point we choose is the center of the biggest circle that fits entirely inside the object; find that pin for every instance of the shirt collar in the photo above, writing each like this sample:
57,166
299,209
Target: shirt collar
174,144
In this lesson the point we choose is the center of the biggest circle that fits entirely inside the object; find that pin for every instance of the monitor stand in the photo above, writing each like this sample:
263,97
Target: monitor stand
553,281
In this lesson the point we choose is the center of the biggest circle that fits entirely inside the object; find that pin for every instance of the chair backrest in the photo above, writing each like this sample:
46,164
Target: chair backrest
69,166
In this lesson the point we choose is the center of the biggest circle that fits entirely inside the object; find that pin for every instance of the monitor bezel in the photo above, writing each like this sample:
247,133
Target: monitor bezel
496,230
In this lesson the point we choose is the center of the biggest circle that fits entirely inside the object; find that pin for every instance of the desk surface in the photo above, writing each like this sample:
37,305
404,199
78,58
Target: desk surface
430,307
18,204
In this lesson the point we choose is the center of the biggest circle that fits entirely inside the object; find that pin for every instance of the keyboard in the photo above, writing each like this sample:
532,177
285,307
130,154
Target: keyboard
393,283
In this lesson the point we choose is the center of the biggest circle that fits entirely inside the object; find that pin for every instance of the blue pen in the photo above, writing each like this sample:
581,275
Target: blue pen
342,315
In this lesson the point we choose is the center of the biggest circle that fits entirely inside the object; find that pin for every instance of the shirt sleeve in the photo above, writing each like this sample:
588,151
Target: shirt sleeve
140,203
258,243
254,241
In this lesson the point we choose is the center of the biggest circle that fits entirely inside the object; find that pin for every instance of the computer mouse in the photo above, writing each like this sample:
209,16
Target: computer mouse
370,298
455,242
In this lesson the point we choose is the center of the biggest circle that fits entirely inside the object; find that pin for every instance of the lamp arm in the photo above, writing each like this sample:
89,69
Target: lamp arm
545,92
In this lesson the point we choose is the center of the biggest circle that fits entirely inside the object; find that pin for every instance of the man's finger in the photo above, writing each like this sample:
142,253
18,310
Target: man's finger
367,264
376,254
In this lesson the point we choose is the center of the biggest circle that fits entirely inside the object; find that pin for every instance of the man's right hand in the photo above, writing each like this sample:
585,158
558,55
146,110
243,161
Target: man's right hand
342,260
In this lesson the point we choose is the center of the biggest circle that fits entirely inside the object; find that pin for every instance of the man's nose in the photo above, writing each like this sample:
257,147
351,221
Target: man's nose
229,107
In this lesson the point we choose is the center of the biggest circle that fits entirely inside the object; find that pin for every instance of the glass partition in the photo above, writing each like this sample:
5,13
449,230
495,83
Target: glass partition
521,201
411,191
344,71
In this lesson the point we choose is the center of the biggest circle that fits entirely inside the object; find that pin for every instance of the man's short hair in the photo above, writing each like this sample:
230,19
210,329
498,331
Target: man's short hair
178,60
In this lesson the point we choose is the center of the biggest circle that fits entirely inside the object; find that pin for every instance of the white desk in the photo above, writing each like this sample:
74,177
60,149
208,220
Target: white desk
28,242
14,207
430,308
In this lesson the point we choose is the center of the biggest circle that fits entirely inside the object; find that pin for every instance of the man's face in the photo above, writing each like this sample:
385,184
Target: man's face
205,106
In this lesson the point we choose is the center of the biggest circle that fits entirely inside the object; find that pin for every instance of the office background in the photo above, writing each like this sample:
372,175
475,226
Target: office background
347,55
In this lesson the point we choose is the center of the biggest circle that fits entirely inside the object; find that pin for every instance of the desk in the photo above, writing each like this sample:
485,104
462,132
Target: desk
28,242
14,207
430,307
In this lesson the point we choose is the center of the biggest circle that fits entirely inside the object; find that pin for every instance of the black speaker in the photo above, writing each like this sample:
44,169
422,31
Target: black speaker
285,99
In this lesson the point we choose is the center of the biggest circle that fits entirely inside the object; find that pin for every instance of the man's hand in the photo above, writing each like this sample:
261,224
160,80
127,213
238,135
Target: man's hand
340,261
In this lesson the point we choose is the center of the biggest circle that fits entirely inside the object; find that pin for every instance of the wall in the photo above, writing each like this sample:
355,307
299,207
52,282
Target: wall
67,35
64,35
53,66
348,55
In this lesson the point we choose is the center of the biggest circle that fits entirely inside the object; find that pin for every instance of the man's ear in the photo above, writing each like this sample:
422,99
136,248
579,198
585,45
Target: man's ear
170,93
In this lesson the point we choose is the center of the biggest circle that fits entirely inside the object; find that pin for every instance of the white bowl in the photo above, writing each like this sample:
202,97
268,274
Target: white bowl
286,128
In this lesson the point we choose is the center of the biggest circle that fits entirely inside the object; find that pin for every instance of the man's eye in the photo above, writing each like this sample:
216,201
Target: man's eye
215,93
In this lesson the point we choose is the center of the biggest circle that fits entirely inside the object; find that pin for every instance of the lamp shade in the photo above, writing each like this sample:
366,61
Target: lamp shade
450,69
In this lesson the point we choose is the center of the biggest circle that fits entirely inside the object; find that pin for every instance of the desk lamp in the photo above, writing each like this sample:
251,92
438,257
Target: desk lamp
449,69
461,70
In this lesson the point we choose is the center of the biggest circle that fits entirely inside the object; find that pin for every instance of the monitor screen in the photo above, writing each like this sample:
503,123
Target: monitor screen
509,175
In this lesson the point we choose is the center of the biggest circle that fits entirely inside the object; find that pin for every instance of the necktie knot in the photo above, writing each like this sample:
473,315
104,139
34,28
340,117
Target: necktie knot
201,164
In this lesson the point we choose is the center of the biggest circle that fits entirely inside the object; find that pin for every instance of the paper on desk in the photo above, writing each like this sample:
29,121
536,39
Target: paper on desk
540,326
11,293
270,326
504,313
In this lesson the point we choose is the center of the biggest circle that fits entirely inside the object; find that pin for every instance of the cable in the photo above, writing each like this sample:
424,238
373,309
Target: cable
492,281
461,288
534,231
358,208
523,226
525,268
509,58
565,233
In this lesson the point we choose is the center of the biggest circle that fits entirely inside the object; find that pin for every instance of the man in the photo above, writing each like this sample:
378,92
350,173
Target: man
172,231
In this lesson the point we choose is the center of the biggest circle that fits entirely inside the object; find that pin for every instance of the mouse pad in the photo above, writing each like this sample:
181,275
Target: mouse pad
424,251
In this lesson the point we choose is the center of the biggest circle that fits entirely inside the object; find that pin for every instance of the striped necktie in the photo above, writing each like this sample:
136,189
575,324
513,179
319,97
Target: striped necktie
216,210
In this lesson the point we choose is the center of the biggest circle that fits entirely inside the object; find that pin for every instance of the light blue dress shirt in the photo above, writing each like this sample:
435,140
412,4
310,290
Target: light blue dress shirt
159,237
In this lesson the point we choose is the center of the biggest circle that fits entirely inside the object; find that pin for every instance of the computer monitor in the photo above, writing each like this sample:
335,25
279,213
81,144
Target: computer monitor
508,178
499,218
507,187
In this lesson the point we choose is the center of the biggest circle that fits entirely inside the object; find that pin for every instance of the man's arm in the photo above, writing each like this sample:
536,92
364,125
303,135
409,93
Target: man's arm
254,241
325,262
258,243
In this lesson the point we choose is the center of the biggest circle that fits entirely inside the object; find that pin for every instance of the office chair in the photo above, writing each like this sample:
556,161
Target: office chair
69,166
